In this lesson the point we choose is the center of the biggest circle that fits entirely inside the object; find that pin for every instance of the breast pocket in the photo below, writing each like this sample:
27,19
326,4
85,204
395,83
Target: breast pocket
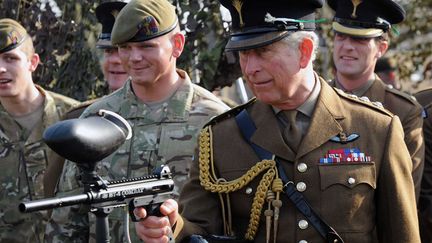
36,160
348,195
178,142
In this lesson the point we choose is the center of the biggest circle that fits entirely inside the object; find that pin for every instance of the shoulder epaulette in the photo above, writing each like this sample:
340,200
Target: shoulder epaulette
83,104
426,90
76,110
375,105
230,113
424,96
401,94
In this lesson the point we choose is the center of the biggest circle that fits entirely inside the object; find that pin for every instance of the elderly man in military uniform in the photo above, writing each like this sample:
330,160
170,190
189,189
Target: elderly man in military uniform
305,162
166,112
361,37
26,110
424,97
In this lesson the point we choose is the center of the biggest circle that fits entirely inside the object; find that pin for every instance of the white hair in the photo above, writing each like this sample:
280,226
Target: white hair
294,39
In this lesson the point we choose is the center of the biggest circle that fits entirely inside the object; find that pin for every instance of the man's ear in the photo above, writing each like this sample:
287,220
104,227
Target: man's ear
34,62
178,44
306,49
382,48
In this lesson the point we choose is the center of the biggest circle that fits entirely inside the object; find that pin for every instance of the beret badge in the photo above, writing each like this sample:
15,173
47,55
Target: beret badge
148,26
14,37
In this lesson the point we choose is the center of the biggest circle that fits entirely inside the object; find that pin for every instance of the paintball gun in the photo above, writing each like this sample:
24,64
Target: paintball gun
86,141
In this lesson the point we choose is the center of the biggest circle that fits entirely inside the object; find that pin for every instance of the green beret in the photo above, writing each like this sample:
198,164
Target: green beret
12,34
142,20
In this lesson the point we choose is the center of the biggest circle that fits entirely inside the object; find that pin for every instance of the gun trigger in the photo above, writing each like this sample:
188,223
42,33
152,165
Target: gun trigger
154,210
131,209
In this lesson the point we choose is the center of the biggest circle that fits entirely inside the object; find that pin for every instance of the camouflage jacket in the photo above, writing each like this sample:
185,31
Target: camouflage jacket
24,161
164,136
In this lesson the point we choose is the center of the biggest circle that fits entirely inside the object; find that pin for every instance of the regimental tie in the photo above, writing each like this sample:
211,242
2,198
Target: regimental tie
292,132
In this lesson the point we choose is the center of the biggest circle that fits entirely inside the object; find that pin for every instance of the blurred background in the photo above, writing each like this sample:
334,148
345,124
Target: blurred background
65,33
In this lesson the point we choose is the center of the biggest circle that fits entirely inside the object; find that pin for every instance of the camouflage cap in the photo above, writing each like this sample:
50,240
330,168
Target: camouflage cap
12,34
142,20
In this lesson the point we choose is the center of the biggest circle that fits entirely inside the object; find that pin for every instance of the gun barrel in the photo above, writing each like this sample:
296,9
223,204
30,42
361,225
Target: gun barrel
49,203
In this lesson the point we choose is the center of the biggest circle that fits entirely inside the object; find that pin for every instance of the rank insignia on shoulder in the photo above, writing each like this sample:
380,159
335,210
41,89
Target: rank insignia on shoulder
343,138
344,155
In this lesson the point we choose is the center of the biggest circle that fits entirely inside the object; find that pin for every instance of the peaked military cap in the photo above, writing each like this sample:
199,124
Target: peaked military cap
365,18
12,34
142,20
257,23
106,14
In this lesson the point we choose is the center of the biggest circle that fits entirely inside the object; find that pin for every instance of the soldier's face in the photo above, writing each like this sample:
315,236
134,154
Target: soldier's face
16,68
148,62
355,58
272,72
114,73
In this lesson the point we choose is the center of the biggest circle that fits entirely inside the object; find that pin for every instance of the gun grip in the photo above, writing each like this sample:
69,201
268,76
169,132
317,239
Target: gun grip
152,210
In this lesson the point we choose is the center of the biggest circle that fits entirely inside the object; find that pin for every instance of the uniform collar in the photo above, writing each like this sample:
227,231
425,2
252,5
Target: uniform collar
327,113
177,107
376,91
308,106
360,91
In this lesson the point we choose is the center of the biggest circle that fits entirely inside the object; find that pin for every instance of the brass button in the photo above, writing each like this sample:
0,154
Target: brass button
303,224
302,167
303,241
351,180
249,190
301,186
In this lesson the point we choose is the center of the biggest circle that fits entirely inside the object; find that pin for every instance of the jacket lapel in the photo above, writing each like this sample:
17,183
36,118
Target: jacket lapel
324,123
268,134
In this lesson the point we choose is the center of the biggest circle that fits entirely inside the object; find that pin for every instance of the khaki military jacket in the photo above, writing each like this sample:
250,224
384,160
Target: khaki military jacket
409,113
24,162
353,197
165,136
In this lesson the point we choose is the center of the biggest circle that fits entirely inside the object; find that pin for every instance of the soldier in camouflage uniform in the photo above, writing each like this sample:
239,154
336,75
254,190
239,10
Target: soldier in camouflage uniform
166,112
25,111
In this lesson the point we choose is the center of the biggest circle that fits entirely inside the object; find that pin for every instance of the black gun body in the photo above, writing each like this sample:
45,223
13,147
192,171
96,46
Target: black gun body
116,193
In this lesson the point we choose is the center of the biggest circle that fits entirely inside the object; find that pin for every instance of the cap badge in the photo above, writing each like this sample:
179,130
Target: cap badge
148,26
14,36
286,21
355,4
238,4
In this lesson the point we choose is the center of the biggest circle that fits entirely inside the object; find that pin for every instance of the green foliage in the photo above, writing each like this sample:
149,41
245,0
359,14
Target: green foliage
65,44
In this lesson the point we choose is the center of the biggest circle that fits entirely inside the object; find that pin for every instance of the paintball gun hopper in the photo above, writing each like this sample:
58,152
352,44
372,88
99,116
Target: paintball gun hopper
90,139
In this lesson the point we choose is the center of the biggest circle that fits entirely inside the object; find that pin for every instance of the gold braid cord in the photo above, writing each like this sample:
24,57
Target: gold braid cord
212,184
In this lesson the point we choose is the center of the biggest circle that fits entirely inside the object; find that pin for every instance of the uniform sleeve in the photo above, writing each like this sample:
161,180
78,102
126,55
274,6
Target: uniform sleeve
396,207
425,201
68,224
413,128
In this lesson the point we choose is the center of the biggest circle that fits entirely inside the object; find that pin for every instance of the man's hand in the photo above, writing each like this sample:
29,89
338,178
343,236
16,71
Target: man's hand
157,229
